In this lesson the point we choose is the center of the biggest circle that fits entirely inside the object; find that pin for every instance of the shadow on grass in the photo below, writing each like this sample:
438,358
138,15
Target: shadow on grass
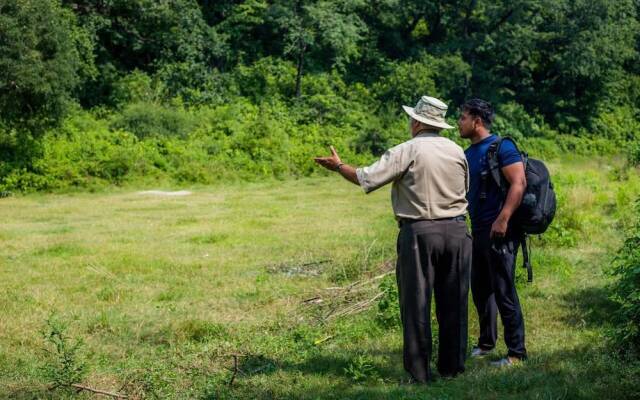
589,307
334,366
578,373
585,372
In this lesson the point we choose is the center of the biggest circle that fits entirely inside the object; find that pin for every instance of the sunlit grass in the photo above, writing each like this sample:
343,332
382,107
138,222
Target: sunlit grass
163,289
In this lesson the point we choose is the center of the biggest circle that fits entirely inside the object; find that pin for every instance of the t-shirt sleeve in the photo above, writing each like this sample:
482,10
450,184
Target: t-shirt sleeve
466,175
388,168
508,154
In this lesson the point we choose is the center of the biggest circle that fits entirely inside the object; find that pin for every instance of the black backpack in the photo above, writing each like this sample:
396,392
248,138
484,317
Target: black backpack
538,205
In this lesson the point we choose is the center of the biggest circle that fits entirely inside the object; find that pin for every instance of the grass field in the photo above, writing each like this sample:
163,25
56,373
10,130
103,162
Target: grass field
165,292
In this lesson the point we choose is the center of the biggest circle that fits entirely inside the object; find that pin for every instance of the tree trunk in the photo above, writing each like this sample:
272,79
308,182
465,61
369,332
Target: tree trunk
301,51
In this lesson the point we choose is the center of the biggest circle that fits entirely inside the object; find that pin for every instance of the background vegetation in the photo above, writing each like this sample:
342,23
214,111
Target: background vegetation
109,91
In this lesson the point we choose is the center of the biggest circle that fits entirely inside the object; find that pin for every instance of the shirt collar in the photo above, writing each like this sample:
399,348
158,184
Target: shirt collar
428,133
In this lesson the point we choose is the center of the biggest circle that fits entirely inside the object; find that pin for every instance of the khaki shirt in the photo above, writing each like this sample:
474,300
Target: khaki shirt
430,177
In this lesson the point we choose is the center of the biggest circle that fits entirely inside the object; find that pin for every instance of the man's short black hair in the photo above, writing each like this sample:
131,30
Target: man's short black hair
480,108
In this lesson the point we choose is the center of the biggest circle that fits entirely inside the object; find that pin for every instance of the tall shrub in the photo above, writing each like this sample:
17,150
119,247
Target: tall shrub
626,291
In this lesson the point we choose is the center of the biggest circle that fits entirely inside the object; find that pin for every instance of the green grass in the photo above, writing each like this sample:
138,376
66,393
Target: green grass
163,291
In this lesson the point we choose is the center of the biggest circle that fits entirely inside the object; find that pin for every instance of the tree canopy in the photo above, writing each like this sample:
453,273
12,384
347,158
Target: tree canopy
563,59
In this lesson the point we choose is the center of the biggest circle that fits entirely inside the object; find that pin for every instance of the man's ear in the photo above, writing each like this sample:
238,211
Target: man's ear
477,123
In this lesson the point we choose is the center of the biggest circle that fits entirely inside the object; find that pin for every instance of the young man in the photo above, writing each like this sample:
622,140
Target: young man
430,182
495,239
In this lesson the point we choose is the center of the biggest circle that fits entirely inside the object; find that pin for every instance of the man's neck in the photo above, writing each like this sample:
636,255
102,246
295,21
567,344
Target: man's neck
479,136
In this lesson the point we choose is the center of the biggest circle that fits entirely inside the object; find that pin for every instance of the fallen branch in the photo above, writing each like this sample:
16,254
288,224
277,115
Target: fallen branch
339,301
98,391
316,299
354,308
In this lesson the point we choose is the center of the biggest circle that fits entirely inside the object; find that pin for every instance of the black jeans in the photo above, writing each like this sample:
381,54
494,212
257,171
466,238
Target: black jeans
493,288
434,256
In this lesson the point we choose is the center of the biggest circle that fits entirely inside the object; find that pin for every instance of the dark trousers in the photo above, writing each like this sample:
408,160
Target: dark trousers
493,288
434,256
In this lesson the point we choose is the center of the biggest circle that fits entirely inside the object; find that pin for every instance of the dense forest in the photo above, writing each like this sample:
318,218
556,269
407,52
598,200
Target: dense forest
106,91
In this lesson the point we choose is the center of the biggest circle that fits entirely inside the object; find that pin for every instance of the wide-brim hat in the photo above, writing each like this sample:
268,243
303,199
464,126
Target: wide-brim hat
429,111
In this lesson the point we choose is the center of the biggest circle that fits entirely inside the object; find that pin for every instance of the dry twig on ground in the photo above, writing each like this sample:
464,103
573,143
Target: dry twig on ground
339,301
98,391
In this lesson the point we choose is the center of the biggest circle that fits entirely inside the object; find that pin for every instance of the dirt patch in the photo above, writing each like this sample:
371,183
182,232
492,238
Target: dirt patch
165,193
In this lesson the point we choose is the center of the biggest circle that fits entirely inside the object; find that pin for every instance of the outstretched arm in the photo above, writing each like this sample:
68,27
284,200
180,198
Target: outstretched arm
333,163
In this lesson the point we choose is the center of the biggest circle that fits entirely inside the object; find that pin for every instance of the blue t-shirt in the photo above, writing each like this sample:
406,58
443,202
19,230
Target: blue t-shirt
484,212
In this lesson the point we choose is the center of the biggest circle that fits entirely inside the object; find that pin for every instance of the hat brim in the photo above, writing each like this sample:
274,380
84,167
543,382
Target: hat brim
426,121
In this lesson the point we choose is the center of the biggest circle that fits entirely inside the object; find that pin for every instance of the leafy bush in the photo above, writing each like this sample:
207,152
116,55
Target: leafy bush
513,120
405,82
268,78
626,290
147,119
633,154
64,365
240,139
388,314
84,152
135,87
619,125
361,369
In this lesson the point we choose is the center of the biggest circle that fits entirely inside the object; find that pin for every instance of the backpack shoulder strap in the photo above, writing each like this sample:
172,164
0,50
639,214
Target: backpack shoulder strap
494,164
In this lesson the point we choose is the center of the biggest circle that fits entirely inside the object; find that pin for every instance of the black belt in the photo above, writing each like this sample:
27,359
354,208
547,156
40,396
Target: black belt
403,221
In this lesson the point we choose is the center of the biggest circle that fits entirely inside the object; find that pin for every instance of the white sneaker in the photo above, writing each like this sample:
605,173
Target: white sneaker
505,362
479,352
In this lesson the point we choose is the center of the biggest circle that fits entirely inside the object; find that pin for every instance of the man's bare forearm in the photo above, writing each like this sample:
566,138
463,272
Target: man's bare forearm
513,200
349,173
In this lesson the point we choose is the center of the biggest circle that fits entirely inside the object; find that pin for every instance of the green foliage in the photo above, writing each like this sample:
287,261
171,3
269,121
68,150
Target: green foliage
44,56
268,78
146,119
513,120
216,90
169,39
64,365
626,290
206,145
567,225
619,124
136,87
84,153
633,154
200,331
388,314
238,140
584,44
405,82
361,369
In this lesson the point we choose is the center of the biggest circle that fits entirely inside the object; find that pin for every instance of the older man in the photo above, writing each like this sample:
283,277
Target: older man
430,182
